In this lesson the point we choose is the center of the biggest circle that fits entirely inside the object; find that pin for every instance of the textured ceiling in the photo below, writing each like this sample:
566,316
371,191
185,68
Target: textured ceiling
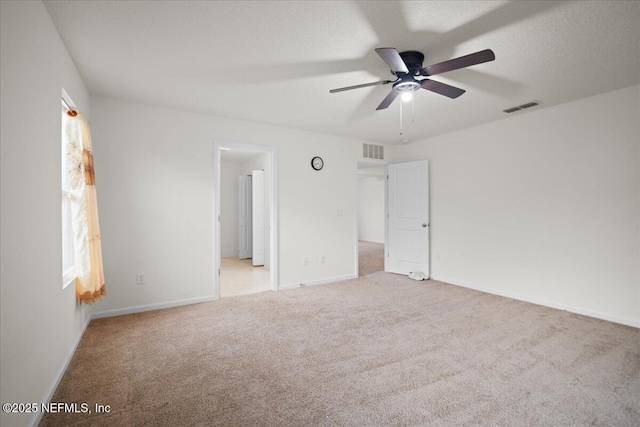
274,62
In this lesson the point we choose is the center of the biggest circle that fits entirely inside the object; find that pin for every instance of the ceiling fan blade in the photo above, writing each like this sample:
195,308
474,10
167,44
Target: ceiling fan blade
388,99
457,63
342,89
441,88
391,56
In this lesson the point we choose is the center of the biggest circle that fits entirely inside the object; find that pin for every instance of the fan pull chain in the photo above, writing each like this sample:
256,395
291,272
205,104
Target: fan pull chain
401,117
413,98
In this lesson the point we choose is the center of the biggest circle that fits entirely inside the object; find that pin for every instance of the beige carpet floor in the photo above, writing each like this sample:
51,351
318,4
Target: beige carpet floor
370,257
375,351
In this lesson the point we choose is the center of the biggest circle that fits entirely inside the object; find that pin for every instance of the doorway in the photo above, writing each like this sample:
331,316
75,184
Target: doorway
245,226
402,189
370,221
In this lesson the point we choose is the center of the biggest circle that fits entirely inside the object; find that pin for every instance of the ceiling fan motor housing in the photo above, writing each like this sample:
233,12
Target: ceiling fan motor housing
407,83
413,60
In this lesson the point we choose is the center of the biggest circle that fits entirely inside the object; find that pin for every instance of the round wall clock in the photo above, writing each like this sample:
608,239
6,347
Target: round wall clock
317,163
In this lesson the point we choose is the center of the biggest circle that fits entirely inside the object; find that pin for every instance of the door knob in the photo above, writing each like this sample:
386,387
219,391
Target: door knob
424,225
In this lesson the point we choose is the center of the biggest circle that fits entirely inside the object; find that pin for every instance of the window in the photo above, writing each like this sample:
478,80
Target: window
68,256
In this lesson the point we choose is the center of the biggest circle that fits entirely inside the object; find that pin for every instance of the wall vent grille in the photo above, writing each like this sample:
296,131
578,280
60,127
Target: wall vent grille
522,107
372,151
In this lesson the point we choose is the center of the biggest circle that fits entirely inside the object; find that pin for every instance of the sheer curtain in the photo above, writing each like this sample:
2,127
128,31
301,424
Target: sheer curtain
84,210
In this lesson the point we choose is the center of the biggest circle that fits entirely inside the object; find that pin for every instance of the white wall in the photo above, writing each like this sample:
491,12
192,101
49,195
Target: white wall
154,170
371,205
543,205
40,322
229,173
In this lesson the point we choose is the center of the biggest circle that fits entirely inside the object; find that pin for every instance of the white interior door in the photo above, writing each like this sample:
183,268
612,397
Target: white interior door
244,216
257,214
408,218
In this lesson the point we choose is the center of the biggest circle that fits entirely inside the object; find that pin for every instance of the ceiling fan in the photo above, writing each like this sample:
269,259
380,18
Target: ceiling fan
406,66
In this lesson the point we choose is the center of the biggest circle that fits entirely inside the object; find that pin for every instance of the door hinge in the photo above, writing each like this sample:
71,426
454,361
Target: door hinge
218,218
387,254
218,272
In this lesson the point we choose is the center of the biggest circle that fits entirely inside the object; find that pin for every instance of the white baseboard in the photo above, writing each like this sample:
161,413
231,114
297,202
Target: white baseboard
150,307
316,282
52,389
542,302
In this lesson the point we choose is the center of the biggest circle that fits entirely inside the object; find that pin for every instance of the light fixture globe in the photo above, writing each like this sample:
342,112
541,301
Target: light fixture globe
407,84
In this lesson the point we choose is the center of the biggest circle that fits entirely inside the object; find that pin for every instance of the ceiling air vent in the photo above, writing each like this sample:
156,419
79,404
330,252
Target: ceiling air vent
372,151
511,110
522,107
529,104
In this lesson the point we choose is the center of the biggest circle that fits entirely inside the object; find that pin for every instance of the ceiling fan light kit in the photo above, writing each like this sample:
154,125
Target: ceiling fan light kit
406,66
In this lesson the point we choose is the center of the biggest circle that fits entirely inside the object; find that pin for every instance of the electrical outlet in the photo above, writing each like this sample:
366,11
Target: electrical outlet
305,260
140,279
322,259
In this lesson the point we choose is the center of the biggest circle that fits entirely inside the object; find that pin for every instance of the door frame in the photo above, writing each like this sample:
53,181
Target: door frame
375,162
218,146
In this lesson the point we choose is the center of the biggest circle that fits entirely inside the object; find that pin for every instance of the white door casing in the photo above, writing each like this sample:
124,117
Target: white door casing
244,217
257,217
408,218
